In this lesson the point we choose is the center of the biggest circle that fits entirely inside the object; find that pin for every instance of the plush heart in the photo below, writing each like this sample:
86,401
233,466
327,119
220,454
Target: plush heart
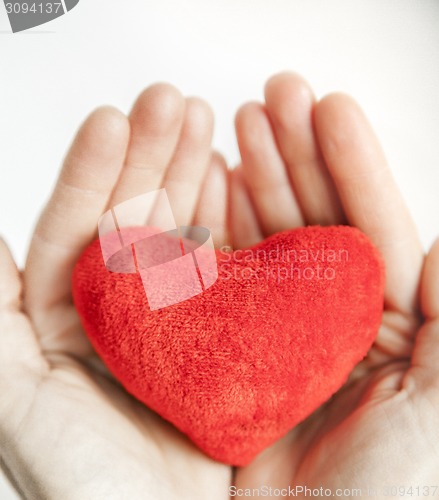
236,367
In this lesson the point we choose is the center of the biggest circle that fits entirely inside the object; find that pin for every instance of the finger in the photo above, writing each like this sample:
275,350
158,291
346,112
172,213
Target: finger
430,284
188,167
69,221
289,103
369,195
211,211
242,220
264,171
156,120
425,367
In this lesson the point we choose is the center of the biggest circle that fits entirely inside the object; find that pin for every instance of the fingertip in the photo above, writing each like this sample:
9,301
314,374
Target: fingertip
435,247
217,176
285,92
252,127
335,99
4,249
106,125
161,102
246,111
164,91
218,162
335,106
343,130
199,116
98,148
207,213
285,78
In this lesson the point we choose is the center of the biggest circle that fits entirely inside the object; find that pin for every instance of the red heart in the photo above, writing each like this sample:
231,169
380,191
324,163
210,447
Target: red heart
239,365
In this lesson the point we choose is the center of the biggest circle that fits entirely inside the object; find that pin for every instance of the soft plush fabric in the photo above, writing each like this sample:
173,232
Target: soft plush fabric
236,367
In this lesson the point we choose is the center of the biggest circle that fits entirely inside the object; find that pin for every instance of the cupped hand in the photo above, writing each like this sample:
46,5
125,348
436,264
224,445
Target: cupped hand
309,162
67,428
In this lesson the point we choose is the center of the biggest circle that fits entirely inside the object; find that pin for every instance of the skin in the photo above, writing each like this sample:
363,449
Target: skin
67,428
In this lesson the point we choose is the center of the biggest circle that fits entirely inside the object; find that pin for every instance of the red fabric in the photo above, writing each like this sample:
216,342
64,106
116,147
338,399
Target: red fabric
238,366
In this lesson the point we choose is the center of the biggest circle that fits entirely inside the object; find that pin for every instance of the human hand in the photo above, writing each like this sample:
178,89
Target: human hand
307,162
67,428
50,376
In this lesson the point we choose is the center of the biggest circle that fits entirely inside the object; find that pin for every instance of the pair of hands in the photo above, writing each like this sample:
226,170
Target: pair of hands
67,428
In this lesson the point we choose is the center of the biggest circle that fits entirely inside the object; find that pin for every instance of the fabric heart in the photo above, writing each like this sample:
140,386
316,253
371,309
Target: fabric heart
236,367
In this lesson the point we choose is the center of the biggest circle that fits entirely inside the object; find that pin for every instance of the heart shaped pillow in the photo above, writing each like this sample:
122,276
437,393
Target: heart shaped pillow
239,365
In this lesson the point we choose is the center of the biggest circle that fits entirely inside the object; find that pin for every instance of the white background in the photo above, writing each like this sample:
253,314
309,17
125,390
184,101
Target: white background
385,53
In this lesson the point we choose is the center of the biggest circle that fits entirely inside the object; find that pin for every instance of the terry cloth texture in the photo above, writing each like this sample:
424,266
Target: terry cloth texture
239,365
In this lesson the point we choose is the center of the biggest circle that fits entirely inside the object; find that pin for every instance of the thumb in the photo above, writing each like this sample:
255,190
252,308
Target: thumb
430,284
18,344
10,282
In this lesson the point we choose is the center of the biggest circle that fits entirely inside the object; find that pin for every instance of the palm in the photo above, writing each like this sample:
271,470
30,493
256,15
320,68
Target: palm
116,447
386,424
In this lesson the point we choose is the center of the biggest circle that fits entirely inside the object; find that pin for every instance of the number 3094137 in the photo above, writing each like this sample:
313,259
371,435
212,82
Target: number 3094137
35,8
